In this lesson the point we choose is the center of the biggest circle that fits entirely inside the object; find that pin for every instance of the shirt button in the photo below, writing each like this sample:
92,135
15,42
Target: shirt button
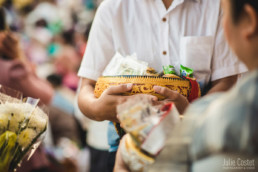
164,19
164,53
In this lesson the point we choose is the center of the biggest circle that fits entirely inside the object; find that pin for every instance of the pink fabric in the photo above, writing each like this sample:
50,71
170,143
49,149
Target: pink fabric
11,70
71,81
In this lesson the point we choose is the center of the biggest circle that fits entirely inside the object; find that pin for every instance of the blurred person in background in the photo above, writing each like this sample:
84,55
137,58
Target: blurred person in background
19,74
39,23
81,40
67,61
11,15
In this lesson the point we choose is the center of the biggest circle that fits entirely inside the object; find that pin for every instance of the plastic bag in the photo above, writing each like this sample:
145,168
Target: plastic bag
128,65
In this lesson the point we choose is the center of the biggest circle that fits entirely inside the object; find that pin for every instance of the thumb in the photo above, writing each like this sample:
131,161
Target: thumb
169,94
113,90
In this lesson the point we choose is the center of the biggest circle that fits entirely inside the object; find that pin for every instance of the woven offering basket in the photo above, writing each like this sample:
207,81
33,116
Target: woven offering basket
144,85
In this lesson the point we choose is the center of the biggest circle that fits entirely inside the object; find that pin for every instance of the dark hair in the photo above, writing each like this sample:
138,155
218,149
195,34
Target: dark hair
238,6
55,79
68,36
87,31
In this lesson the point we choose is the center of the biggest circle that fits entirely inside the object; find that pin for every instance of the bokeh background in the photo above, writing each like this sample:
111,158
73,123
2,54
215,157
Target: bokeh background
53,37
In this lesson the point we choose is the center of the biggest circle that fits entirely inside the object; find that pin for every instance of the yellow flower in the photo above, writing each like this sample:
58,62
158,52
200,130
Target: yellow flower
26,137
13,117
7,144
3,122
38,120
15,114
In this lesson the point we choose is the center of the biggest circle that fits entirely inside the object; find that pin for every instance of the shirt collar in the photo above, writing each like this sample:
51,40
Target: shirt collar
175,3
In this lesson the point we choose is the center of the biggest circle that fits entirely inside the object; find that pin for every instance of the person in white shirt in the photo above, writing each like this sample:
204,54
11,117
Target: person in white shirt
160,32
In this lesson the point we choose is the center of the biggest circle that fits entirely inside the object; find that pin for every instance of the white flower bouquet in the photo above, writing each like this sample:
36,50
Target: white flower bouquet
22,125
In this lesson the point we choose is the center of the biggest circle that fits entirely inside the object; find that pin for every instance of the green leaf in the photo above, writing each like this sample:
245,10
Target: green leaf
7,145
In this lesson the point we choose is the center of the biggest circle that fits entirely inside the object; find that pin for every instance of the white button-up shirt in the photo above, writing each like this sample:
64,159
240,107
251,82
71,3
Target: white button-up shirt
188,33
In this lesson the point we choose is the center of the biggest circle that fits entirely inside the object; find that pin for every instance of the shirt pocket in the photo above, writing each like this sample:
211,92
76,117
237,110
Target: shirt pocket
196,53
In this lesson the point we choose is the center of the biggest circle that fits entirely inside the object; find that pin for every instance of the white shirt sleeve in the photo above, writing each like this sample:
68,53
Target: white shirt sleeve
100,47
224,62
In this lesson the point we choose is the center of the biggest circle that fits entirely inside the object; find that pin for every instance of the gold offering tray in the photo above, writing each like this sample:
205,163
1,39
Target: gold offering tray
144,84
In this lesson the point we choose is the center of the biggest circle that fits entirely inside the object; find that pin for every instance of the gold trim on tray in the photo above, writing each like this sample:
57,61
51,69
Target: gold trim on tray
144,84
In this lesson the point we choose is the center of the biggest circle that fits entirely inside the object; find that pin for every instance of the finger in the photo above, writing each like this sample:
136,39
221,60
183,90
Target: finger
150,97
147,96
115,90
154,98
167,93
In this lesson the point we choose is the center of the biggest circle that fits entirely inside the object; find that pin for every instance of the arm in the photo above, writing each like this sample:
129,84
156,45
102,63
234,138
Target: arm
104,107
86,99
223,84
21,76
36,87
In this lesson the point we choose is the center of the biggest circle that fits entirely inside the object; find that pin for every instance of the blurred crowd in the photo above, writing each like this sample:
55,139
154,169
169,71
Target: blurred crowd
40,52
42,44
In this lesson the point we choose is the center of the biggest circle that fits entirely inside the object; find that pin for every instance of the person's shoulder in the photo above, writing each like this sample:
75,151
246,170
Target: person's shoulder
239,99
204,2
115,2
247,89
212,5
242,98
115,5
107,8
110,9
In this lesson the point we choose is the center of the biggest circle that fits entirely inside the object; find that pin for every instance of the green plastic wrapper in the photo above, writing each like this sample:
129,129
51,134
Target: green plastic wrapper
186,72
169,69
